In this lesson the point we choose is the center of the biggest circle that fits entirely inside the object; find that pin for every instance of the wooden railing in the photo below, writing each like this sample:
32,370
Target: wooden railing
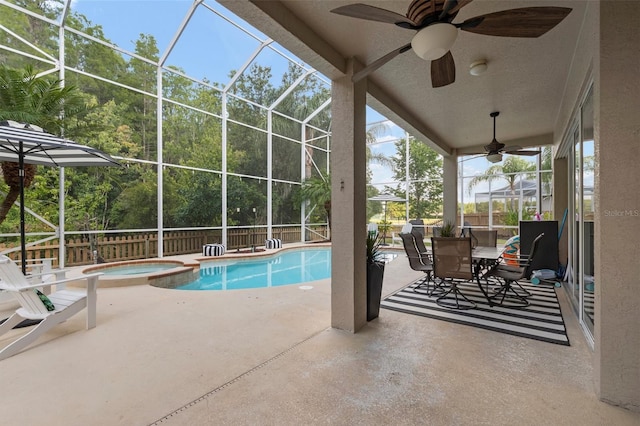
113,247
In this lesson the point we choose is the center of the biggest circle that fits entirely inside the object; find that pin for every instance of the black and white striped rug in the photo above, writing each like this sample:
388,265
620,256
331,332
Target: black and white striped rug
541,320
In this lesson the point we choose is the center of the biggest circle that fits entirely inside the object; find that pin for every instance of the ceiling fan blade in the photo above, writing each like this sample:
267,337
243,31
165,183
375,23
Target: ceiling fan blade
447,8
494,146
443,71
455,7
524,22
372,13
529,153
511,148
379,62
460,5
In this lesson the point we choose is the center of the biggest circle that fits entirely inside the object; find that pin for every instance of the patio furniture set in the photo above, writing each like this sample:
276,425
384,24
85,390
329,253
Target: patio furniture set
472,258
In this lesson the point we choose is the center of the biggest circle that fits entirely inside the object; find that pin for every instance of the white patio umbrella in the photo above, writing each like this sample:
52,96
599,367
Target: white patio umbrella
28,144
385,198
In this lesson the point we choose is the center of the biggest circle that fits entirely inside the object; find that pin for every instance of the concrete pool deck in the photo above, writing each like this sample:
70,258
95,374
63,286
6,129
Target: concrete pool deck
269,357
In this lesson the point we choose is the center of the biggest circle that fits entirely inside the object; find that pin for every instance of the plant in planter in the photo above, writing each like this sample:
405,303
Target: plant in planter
375,275
384,227
448,229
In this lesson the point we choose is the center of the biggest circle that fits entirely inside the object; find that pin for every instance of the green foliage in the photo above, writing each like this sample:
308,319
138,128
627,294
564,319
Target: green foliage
27,98
425,176
448,229
511,218
373,208
124,123
469,208
317,190
513,169
396,211
384,226
373,247
136,206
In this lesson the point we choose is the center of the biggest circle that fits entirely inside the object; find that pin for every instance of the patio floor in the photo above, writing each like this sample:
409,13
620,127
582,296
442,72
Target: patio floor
269,356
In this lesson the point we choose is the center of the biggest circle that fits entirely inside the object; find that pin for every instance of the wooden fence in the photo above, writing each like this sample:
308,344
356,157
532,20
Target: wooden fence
114,247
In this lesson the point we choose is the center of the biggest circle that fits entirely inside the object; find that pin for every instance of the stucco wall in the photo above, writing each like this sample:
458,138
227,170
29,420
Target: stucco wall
581,67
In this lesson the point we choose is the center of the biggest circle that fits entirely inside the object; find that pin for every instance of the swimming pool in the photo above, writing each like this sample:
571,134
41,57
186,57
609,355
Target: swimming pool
288,267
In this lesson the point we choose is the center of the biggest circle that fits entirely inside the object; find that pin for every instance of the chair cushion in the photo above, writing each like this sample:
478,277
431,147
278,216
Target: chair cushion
511,249
272,243
45,300
213,250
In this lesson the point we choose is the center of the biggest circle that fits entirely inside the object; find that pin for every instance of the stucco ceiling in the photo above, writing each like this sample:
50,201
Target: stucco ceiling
525,79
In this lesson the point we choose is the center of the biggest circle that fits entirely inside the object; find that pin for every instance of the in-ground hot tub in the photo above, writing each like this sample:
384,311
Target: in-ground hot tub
157,272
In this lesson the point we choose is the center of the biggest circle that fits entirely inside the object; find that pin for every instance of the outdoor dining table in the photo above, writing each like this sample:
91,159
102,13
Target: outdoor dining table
484,257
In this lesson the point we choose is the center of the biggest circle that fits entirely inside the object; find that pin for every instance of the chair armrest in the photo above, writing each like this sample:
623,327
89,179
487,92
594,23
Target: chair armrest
4,286
78,278
419,257
59,273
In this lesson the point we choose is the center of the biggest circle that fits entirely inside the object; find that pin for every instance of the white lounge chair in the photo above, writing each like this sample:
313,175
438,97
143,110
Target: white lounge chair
66,303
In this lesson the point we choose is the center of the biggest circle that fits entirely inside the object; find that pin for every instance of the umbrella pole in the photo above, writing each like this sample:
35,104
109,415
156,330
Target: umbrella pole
23,244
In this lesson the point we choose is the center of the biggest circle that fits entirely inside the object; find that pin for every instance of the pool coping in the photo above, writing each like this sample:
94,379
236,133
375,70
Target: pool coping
265,253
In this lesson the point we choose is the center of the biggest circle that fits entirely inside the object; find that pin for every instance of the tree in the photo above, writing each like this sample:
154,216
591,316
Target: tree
42,101
511,169
375,157
425,177
317,190
378,158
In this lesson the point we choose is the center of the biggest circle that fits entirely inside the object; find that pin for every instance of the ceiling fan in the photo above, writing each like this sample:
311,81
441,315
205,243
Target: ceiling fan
432,19
495,149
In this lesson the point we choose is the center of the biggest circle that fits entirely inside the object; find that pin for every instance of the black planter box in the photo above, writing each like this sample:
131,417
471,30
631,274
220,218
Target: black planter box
375,274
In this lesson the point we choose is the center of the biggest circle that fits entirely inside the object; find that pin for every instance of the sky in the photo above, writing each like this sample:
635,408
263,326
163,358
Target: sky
210,47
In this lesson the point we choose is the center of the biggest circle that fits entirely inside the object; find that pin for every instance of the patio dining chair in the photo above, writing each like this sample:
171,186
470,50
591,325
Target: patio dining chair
509,275
418,262
419,241
485,237
453,263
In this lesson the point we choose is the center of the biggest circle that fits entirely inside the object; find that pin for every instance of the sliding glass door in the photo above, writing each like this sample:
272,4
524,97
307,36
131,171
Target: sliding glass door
587,212
580,279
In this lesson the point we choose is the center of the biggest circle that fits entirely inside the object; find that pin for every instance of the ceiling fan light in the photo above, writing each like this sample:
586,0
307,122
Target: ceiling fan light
434,41
494,158
478,67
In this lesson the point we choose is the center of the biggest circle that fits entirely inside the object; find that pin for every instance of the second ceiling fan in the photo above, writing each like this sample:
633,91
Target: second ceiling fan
432,19
495,149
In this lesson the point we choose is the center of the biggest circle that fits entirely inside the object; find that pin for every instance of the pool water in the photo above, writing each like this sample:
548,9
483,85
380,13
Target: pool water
388,256
288,267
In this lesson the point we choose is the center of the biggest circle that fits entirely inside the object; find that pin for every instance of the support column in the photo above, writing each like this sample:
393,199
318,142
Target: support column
450,187
617,215
348,203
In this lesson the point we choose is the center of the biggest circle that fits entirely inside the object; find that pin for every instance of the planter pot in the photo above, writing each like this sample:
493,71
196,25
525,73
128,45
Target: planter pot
375,274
